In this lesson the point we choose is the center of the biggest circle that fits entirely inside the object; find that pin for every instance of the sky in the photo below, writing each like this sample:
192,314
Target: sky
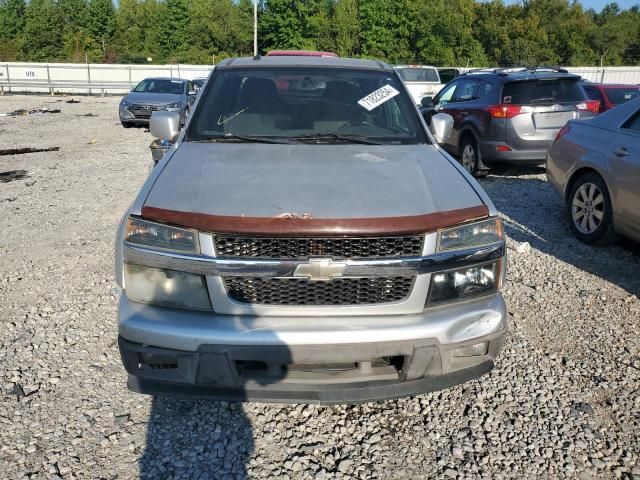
598,4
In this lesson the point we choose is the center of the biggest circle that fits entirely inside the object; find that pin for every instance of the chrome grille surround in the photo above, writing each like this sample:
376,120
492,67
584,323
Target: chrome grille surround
297,291
238,246
383,267
143,111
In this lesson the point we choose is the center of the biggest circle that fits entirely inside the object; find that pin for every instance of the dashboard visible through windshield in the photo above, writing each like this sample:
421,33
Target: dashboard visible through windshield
306,105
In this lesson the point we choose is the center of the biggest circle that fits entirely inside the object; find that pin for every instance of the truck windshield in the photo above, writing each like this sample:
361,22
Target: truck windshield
305,105
158,85
419,74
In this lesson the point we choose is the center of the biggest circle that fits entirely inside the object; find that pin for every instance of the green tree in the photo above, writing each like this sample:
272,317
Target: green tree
154,13
614,32
217,27
281,25
101,27
512,37
75,31
384,30
11,24
41,38
443,33
347,27
565,23
129,31
174,27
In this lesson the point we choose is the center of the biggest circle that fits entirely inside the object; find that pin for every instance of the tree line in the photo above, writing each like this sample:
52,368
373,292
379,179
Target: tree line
438,32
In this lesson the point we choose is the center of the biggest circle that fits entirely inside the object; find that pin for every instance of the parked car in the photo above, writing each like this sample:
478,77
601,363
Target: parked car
307,245
421,80
609,94
154,94
595,166
449,73
508,115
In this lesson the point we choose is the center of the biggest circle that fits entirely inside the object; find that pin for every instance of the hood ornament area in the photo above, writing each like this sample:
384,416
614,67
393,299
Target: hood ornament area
320,269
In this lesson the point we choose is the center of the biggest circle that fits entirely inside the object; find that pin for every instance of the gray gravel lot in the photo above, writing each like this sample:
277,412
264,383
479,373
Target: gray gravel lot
563,401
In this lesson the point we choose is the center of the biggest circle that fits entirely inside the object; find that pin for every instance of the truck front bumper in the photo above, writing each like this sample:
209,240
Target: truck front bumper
307,359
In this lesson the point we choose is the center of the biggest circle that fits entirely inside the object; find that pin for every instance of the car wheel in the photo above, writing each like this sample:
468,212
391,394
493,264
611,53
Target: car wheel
127,124
589,210
470,158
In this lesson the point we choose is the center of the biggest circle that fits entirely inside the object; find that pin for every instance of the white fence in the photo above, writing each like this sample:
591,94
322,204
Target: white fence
87,78
627,75
99,78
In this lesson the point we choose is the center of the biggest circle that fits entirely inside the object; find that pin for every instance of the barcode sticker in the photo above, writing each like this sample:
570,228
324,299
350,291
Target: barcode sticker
377,98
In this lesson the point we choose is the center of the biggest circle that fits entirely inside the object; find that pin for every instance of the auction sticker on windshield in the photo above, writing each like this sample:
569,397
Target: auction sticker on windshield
378,97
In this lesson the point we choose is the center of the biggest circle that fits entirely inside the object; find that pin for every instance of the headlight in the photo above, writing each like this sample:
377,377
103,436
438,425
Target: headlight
158,235
173,105
124,103
465,283
166,287
471,235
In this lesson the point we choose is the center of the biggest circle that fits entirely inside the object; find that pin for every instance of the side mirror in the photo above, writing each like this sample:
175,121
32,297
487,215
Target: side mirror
192,92
426,102
441,127
165,125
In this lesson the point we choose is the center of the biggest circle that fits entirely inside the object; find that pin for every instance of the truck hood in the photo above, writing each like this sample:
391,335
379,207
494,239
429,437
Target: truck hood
308,184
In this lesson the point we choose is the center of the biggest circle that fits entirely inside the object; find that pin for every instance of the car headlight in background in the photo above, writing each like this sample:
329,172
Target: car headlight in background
166,287
174,105
124,103
469,235
158,235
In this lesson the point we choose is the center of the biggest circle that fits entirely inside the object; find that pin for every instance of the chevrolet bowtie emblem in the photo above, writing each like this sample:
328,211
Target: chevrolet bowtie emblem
320,269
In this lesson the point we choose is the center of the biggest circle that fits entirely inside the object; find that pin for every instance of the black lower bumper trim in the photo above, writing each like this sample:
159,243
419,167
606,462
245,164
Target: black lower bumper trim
346,394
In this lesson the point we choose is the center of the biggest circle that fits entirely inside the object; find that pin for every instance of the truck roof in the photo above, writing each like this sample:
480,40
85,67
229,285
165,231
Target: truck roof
303,61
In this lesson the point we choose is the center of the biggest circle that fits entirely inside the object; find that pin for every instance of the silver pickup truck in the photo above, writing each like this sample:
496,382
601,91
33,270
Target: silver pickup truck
306,239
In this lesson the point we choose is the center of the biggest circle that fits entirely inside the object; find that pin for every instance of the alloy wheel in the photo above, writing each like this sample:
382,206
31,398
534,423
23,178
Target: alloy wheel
587,208
469,158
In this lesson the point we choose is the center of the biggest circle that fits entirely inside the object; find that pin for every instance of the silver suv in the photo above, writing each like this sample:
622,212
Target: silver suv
307,240
508,115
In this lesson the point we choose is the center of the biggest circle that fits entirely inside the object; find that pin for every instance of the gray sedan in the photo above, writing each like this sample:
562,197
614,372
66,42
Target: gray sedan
153,94
595,165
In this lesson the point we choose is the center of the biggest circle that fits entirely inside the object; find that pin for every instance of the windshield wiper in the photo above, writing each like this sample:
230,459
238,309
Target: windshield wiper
243,138
335,136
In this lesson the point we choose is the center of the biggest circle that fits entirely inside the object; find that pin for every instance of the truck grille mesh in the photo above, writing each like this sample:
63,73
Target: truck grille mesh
300,291
273,247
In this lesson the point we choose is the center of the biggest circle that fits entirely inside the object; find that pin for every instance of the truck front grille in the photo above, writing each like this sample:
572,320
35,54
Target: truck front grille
300,291
348,247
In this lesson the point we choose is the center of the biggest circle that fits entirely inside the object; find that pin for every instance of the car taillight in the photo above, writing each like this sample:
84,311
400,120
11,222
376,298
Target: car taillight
591,105
504,111
563,131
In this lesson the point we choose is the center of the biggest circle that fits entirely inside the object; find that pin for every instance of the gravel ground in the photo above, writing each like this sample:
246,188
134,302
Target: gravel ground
562,402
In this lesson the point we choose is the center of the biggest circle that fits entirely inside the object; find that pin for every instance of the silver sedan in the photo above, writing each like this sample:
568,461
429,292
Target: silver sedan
595,165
